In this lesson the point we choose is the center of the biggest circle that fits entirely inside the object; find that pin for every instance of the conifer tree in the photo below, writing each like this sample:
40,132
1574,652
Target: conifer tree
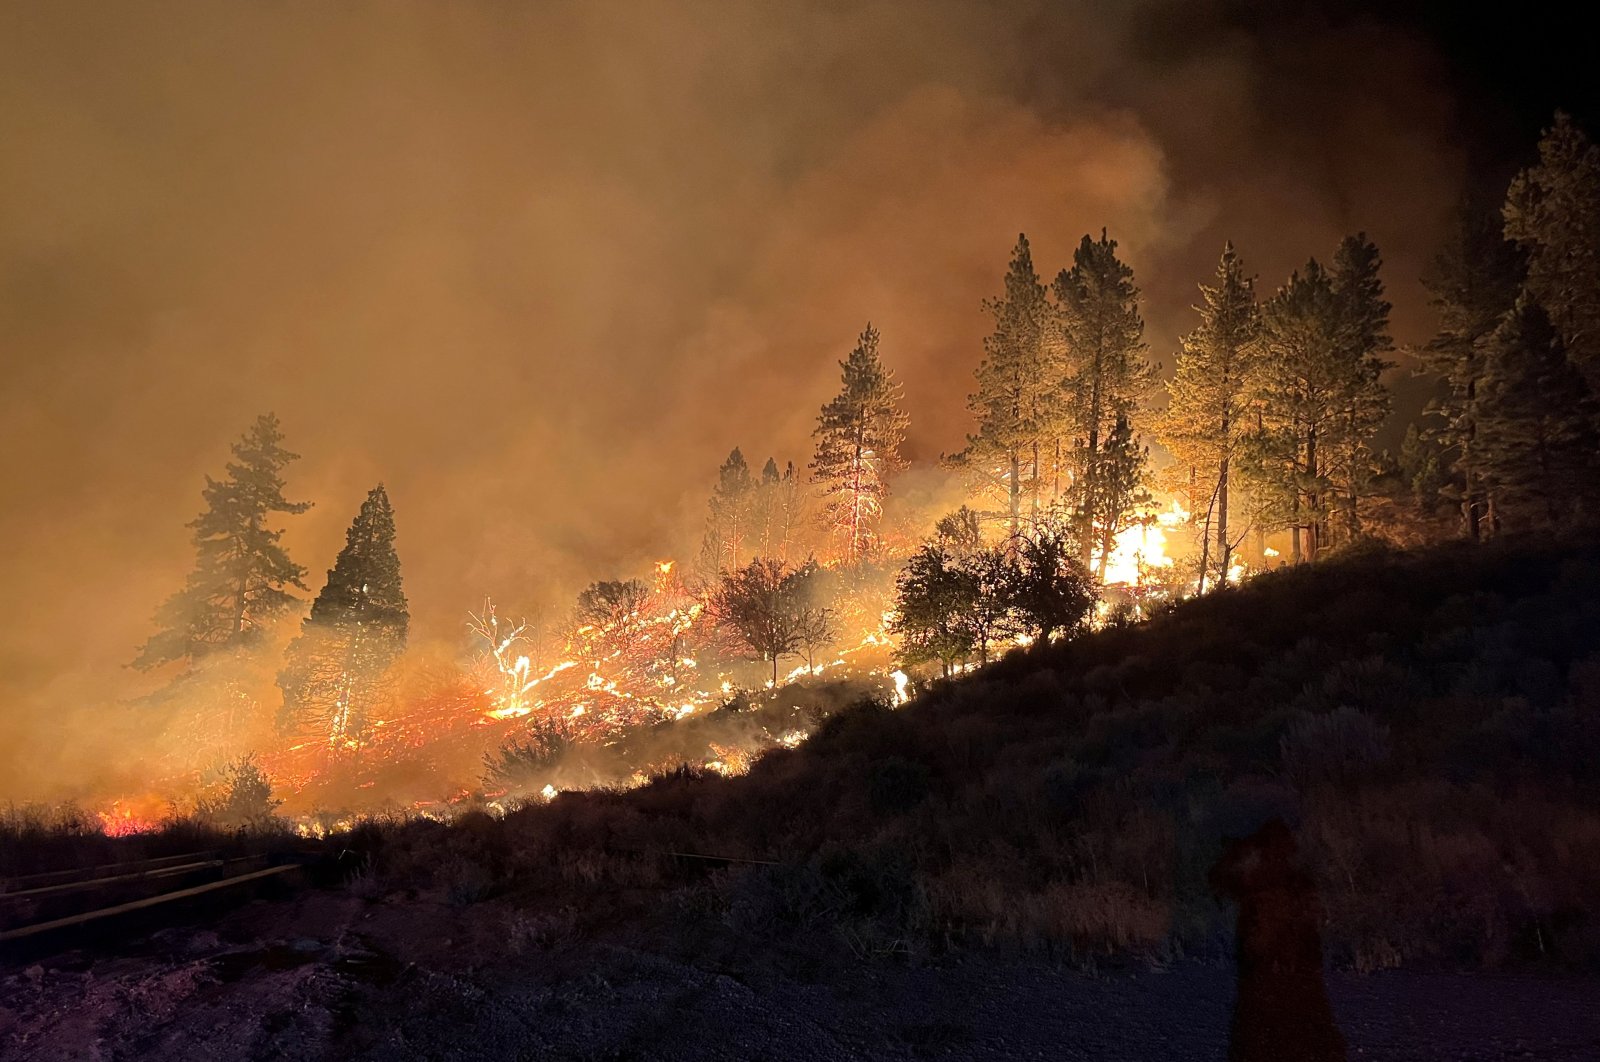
1552,212
242,576
1364,400
1472,283
1107,372
1208,398
767,511
334,670
1017,403
1536,439
1115,489
1299,386
728,518
858,437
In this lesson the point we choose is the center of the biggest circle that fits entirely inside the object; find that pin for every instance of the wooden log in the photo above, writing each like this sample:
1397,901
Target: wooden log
149,901
94,883
9,883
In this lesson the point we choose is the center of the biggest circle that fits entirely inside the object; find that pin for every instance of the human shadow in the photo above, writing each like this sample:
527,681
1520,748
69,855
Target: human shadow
1281,1013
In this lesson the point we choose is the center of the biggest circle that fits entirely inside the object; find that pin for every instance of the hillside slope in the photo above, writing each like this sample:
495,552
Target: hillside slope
1429,723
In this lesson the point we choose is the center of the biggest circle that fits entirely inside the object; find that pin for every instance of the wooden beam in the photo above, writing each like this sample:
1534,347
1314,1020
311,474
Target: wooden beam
92,883
71,871
149,901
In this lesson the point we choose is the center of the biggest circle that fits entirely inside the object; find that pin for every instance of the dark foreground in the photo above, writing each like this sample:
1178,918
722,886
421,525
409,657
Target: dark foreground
365,980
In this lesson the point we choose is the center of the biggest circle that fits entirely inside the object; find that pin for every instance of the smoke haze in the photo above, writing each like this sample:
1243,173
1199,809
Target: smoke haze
538,267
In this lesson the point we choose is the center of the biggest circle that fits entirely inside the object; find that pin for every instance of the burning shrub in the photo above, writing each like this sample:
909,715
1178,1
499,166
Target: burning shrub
244,800
530,763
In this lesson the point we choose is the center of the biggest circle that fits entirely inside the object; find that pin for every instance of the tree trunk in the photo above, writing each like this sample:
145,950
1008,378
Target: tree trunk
1223,544
1313,499
1016,496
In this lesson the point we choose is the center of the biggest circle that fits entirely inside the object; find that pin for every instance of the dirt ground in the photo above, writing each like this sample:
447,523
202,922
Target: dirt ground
336,977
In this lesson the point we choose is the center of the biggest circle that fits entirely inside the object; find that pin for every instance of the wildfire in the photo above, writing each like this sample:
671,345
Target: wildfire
1142,546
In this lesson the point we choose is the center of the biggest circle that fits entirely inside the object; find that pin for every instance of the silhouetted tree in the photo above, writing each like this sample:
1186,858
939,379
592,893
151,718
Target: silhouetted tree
760,604
1364,401
1536,435
935,595
1473,283
1107,376
1208,400
1017,403
728,518
1048,587
1115,489
858,437
1552,212
611,603
334,670
1303,388
242,574
959,533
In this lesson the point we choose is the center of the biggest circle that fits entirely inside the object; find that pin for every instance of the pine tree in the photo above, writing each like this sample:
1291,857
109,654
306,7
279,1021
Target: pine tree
858,437
1017,403
1364,400
1472,283
1552,212
1536,437
242,575
334,670
1107,372
1208,398
1299,387
1115,489
728,518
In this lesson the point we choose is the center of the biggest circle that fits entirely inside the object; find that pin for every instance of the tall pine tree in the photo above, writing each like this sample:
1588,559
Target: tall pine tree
1107,374
1536,437
1472,284
730,514
1298,388
334,671
1552,212
242,576
1018,397
858,437
1208,400
1364,401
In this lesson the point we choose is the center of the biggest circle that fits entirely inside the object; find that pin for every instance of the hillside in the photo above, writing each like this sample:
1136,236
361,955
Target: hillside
1427,722
935,880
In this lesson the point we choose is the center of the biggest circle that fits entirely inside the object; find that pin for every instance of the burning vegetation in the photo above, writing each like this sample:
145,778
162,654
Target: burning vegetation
810,589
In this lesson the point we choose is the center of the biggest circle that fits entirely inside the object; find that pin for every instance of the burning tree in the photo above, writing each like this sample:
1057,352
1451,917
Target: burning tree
858,438
1107,375
1113,492
612,604
1208,402
763,605
728,517
242,575
356,630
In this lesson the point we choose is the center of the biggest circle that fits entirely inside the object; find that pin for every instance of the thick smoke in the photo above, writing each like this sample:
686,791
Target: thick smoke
538,267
